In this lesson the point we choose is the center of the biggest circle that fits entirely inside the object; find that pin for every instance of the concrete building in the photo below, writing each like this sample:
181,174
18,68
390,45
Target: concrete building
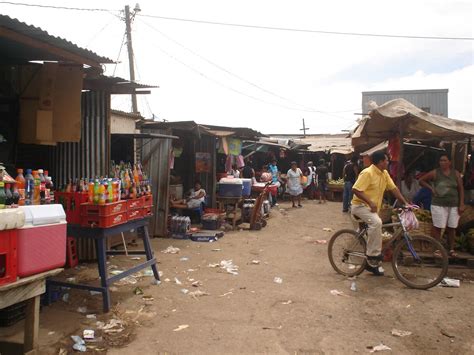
432,101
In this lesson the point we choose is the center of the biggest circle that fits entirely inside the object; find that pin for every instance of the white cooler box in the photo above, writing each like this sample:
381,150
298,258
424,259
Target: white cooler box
41,242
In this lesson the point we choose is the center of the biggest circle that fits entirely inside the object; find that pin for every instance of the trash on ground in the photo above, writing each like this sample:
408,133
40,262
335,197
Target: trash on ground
148,272
71,280
129,280
79,343
184,258
227,294
380,347
337,293
287,302
196,283
214,265
197,294
177,281
167,280
448,282
82,309
401,333
51,333
327,229
91,316
181,327
116,272
171,250
191,270
185,291
256,262
88,334
148,298
66,298
138,291
321,241
217,249
353,286
272,328
62,351
278,280
113,326
136,258
95,293
229,266
447,334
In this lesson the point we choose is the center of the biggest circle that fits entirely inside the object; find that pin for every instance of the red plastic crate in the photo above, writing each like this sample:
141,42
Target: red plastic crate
108,209
71,202
135,203
135,214
96,221
147,211
8,256
147,200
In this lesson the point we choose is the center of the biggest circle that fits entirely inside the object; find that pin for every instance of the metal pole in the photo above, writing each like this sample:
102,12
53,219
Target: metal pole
131,63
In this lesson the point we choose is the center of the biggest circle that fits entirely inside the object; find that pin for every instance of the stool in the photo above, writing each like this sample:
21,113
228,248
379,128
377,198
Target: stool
71,252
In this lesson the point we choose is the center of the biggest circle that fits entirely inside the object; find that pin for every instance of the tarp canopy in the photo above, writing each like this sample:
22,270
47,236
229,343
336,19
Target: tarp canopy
334,144
386,120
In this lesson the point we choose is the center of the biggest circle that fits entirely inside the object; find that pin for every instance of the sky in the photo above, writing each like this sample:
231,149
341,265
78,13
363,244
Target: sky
270,80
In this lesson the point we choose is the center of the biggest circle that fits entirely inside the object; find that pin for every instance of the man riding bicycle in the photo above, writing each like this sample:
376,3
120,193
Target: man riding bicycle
368,195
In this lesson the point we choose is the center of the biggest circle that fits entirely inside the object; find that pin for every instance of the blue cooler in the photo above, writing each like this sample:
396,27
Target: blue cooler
230,187
247,189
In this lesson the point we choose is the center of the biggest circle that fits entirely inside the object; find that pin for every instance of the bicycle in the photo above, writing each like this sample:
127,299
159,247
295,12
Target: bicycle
418,261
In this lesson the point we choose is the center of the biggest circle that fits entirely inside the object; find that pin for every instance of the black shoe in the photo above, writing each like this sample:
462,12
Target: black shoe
376,270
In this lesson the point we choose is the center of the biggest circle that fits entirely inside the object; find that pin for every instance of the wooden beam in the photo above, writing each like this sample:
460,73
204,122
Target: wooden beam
31,324
60,52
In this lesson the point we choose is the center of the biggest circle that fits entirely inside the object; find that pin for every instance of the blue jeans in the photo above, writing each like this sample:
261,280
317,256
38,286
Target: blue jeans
347,196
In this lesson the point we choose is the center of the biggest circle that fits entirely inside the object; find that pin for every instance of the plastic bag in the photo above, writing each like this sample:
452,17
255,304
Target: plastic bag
408,219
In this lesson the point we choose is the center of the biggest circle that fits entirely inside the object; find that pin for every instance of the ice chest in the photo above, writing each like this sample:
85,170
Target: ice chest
230,187
247,187
41,242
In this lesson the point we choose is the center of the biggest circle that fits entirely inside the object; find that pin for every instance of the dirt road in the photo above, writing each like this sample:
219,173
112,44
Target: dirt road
251,313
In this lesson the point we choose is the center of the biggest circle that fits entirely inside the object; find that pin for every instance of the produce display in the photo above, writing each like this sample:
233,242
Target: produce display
339,181
423,215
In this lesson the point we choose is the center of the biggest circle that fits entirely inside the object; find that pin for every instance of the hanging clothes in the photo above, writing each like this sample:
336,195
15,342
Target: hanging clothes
394,148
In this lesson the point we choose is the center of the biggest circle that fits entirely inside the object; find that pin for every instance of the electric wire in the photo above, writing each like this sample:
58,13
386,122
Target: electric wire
56,7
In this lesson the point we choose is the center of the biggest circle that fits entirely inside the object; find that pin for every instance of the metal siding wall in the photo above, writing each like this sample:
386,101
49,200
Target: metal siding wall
89,157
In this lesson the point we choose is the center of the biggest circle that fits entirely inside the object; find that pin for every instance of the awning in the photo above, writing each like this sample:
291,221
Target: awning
386,120
384,145
145,135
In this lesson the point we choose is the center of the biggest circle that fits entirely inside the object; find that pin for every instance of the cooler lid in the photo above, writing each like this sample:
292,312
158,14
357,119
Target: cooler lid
230,181
44,214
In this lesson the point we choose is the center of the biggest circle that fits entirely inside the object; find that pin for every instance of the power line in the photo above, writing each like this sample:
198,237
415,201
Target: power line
93,38
56,7
231,73
339,33
119,53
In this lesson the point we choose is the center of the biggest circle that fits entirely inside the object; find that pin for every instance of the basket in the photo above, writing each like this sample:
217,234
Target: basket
423,228
385,215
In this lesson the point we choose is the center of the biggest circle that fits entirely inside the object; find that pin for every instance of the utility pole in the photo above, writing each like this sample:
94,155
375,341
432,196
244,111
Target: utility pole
131,62
304,129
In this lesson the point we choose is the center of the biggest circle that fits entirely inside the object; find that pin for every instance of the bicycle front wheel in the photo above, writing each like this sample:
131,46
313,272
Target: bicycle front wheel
420,263
346,252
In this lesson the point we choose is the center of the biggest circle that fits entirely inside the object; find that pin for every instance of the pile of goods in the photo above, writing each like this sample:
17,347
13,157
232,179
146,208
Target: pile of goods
339,183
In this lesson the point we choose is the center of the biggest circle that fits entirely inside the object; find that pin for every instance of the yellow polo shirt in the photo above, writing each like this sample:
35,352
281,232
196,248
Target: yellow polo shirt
373,182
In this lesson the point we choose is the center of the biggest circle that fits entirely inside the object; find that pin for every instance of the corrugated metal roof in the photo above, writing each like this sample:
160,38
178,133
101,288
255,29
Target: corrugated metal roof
43,36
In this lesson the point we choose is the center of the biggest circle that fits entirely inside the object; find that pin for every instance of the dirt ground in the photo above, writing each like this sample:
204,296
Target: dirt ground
251,313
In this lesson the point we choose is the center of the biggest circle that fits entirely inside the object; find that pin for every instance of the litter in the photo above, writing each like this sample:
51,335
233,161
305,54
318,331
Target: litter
197,294
214,265
448,282
256,262
91,316
353,286
447,334
79,343
327,229
136,258
191,270
171,250
129,280
51,333
321,241
95,293
116,272
227,294
167,280
88,334
229,267
216,249
148,272
138,291
381,347
287,302
185,291
82,309
66,297
177,281
278,280
273,328
196,283
181,327
113,326
400,333
337,293
184,259
71,280
148,298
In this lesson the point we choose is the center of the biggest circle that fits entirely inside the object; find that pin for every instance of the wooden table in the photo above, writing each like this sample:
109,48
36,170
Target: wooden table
100,236
28,289
234,201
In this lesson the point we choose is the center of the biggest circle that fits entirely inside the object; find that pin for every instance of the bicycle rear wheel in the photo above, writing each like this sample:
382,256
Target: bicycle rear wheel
346,252
421,263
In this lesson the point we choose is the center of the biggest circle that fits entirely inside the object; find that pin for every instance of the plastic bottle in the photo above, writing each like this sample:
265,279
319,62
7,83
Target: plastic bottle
36,189
48,186
102,194
3,196
9,195
42,186
128,181
29,187
110,191
96,191
20,185
16,195
90,191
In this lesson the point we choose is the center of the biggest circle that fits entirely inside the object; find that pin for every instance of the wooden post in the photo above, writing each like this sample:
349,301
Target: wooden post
31,324
401,156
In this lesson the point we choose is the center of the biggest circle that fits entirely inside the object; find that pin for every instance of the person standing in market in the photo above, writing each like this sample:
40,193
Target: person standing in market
295,189
273,169
350,172
312,182
322,173
447,203
366,203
